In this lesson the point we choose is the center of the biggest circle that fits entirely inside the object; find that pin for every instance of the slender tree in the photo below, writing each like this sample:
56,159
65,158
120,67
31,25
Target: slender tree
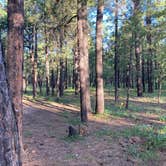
116,58
34,61
150,53
84,60
14,70
99,60
76,77
138,48
47,63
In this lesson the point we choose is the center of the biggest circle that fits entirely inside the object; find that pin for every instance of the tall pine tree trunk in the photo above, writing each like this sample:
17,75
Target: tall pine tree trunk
9,135
34,61
116,58
47,63
143,71
150,54
76,71
99,60
14,76
62,65
128,77
137,48
84,60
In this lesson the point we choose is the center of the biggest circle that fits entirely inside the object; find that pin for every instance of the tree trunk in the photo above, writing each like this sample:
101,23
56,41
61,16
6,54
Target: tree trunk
116,58
62,77
150,54
138,49
57,83
52,81
76,71
14,76
143,71
9,135
99,60
84,60
34,61
40,83
128,78
66,73
62,65
159,89
47,63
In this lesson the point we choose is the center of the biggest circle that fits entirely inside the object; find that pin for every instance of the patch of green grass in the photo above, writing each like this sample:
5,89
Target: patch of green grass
155,137
137,152
119,113
74,121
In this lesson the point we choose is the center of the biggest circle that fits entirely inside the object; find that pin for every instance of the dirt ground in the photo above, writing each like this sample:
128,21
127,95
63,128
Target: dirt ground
46,144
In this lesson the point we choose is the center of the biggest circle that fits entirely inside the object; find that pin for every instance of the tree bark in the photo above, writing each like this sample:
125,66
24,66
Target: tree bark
14,73
9,134
150,54
99,60
34,61
76,71
52,82
47,63
143,71
66,73
62,65
128,78
58,82
138,49
84,60
116,58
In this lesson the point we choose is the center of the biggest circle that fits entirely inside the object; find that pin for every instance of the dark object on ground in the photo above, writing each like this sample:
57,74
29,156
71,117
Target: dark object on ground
72,131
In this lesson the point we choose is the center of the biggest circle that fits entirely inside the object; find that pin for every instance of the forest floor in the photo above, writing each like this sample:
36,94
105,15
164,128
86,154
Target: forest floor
134,137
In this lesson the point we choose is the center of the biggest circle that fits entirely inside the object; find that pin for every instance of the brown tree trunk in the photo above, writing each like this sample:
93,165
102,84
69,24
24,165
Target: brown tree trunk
84,60
47,63
137,48
128,78
40,83
62,77
99,60
9,135
62,65
52,82
76,71
116,58
66,73
159,89
58,82
14,76
34,62
143,71
150,54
